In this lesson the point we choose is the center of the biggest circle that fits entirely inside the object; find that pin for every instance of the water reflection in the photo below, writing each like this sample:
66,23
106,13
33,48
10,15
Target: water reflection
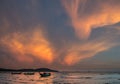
60,78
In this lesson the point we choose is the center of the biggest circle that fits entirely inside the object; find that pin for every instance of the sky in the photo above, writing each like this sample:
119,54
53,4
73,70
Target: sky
60,34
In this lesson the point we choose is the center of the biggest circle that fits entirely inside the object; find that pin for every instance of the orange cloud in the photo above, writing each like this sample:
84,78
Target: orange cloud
24,46
100,15
78,52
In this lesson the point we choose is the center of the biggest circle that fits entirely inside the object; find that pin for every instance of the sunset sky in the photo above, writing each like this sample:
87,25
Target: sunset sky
60,34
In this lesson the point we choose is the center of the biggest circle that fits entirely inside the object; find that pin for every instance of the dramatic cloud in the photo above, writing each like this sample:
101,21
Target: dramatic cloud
24,46
84,16
94,28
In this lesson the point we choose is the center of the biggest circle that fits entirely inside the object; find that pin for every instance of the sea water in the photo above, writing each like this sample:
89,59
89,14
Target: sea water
61,78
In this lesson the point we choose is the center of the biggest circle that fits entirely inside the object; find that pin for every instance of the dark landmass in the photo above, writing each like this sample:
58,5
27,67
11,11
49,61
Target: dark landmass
28,70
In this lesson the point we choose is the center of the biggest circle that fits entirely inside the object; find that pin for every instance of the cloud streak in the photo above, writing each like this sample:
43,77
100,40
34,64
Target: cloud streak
78,52
85,17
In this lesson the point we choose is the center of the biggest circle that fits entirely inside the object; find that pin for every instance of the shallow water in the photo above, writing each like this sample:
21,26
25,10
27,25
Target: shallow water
61,78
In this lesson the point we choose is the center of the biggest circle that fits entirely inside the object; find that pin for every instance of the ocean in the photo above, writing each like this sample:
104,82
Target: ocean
61,78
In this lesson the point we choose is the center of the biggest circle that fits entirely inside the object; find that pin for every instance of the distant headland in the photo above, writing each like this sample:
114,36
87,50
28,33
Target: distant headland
28,70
